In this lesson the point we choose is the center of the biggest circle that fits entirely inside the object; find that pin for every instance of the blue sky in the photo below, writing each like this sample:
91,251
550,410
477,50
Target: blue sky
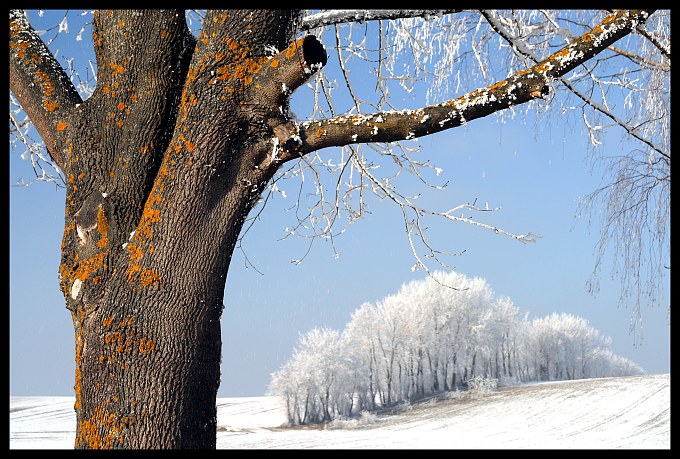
535,172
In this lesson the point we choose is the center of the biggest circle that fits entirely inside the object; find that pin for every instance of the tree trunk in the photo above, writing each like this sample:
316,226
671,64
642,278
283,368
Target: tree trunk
163,164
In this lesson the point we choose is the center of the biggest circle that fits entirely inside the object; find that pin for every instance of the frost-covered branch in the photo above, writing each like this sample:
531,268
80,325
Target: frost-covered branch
341,16
522,87
665,50
522,49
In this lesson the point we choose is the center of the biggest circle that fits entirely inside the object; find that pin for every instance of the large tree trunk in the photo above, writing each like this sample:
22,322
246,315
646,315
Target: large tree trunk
162,163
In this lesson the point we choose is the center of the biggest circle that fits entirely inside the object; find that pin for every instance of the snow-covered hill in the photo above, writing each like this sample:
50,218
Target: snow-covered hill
630,413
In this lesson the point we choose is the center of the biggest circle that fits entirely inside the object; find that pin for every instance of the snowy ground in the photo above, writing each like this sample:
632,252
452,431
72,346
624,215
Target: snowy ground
628,413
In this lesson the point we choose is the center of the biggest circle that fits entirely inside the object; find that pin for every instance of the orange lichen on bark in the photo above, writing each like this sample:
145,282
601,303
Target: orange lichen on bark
117,68
132,270
67,229
50,105
103,228
47,86
146,346
83,270
103,429
61,126
293,47
135,252
23,46
89,267
149,277
79,354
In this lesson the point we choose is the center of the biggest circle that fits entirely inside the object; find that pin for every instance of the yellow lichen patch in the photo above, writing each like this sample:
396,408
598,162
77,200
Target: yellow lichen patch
50,105
135,252
133,269
23,46
61,126
97,39
103,228
164,33
149,277
121,106
90,431
46,85
36,59
146,346
120,123
86,268
293,47
274,63
117,68
107,321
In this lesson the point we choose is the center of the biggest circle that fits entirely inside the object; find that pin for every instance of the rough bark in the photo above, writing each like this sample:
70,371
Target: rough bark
163,163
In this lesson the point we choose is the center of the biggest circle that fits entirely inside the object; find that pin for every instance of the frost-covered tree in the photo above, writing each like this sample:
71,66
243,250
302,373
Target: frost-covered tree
429,338
314,382
182,132
362,347
565,347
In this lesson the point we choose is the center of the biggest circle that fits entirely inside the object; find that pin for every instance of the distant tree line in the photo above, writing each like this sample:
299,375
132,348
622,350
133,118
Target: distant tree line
429,338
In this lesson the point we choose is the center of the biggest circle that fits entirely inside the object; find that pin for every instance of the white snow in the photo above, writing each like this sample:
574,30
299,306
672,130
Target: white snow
622,413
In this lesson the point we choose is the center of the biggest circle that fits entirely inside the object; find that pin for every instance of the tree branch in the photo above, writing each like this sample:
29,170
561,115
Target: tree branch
39,83
340,16
524,51
290,68
522,87
665,50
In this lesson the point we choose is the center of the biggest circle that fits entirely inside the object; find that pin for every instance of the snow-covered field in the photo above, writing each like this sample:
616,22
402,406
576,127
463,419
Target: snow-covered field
628,413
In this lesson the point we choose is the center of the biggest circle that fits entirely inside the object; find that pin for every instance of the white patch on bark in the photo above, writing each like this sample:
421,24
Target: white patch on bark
75,288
